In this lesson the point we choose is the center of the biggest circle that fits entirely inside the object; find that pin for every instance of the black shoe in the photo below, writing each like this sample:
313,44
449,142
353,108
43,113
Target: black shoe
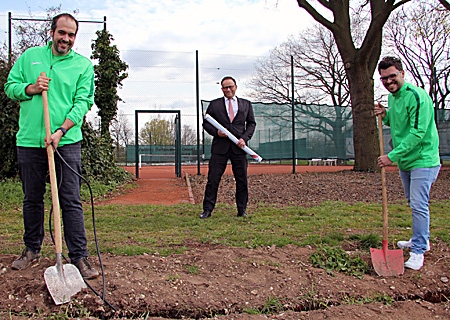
242,214
25,260
205,214
87,272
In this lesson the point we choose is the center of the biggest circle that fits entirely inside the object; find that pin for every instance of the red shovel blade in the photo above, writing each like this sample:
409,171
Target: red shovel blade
387,263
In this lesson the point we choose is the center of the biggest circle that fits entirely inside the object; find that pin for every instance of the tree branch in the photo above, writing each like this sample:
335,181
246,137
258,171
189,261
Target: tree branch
316,15
445,3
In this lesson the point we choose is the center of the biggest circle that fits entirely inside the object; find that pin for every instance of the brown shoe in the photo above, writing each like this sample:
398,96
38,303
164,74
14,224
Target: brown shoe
87,272
25,260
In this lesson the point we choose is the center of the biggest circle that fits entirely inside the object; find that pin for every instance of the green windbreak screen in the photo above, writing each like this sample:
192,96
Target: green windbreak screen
321,131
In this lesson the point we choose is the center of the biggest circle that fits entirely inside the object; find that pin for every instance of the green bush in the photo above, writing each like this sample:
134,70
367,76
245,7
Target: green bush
9,122
98,159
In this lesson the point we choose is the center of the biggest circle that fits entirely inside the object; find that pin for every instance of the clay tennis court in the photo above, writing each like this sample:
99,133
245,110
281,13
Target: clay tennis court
159,184
158,172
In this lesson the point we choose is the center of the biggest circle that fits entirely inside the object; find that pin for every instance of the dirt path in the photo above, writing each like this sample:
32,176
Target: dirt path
159,184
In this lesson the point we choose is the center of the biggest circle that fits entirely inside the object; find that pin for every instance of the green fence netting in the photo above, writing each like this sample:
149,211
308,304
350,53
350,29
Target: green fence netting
321,131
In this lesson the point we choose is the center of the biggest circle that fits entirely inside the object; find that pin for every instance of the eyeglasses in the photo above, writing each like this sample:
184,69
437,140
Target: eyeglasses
390,77
228,87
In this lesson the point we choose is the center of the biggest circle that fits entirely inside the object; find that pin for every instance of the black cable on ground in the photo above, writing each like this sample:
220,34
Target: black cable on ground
102,296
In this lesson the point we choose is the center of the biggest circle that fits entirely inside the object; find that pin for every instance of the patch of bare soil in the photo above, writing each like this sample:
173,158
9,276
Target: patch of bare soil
312,188
213,281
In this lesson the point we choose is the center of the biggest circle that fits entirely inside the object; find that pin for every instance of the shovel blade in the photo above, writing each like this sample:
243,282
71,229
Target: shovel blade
388,263
63,282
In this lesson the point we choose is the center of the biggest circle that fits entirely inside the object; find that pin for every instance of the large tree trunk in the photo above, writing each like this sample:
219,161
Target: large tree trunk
365,132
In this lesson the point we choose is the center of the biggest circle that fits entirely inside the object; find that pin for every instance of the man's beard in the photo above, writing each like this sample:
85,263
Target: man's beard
61,51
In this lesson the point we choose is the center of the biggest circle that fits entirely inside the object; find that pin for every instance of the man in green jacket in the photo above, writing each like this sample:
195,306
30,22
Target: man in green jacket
69,82
415,150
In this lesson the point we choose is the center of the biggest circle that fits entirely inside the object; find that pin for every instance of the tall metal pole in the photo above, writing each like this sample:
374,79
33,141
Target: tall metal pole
179,173
178,145
294,158
136,145
9,40
436,105
197,91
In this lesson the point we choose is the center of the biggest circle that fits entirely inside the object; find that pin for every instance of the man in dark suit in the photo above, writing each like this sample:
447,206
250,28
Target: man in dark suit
236,115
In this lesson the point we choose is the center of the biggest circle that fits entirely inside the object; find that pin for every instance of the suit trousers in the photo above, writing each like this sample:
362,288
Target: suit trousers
216,168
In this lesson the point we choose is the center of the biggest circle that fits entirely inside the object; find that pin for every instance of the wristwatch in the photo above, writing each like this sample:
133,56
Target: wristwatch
64,131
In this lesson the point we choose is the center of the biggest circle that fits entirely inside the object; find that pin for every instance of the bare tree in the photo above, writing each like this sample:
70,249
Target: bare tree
360,62
423,42
188,136
319,77
319,72
121,132
121,129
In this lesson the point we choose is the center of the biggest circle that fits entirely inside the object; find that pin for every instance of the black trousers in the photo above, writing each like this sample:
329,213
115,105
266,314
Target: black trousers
216,168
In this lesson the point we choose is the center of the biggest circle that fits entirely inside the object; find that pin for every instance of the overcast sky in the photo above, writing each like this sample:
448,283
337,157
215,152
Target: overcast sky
249,28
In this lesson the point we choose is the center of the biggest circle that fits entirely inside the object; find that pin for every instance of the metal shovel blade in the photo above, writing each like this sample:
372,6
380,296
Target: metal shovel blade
63,281
387,263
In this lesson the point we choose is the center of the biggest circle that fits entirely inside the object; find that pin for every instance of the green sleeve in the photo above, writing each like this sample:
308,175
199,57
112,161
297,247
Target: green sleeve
15,85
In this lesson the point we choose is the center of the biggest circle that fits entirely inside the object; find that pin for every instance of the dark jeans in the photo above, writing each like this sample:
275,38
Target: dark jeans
33,170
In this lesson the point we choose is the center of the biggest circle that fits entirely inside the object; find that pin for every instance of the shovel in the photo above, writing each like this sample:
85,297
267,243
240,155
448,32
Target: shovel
63,281
386,262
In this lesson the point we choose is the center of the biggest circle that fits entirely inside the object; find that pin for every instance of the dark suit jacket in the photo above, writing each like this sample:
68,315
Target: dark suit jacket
243,125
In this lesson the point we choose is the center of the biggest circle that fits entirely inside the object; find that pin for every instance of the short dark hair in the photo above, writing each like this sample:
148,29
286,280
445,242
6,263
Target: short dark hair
228,78
388,62
67,15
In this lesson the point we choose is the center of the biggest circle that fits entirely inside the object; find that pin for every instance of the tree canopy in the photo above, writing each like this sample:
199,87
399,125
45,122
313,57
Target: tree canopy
157,131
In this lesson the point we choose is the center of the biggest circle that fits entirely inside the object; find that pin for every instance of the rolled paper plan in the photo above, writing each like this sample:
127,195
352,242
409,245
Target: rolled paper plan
230,136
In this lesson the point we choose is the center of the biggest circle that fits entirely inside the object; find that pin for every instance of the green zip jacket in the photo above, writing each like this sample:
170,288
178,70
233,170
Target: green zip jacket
413,129
70,93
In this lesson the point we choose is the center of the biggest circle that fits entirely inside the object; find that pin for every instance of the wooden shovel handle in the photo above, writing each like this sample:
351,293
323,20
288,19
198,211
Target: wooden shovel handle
52,171
383,181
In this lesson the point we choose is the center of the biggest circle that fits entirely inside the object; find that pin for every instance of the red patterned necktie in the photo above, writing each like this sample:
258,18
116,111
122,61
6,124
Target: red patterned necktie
230,110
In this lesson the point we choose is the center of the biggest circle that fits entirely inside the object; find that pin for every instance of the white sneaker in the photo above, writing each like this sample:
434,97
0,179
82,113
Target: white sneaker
408,244
415,261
